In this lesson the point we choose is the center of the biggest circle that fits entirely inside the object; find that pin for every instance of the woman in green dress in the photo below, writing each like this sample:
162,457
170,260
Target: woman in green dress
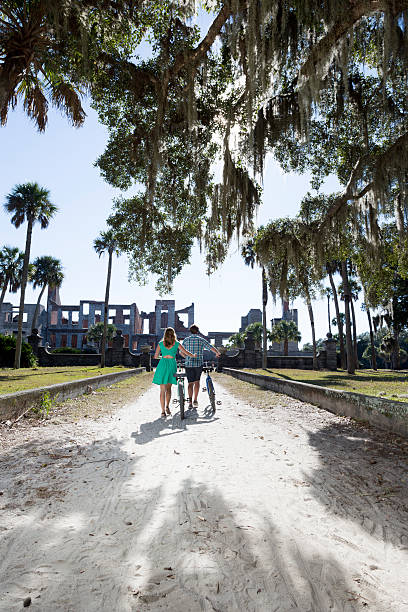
167,367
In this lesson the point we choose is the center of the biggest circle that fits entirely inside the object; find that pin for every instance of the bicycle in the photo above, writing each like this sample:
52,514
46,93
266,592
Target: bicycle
209,385
180,376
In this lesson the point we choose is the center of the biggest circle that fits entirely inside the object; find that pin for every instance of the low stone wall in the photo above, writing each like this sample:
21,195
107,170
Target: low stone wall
13,405
382,413
47,358
295,362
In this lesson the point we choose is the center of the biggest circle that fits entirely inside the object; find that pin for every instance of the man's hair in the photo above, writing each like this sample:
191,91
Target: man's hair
194,328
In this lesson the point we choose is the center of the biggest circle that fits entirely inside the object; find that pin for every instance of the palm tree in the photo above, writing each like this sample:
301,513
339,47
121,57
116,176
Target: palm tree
283,332
354,290
32,36
331,268
28,202
249,255
237,340
351,368
47,272
106,242
96,331
327,292
256,329
11,268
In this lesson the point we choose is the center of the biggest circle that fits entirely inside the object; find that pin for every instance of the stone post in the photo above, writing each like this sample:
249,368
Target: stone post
331,352
250,359
117,348
158,311
222,358
145,358
34,340
171,317
190,315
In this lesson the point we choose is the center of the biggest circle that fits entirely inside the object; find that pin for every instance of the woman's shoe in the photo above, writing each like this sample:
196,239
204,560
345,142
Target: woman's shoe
163,415
168,413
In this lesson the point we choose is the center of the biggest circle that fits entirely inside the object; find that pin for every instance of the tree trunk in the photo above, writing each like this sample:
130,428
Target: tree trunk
105,311
3,292
353,317
373,353
349,341
19,339
328,314
395,356
312,325
37,308
264,338
285,347
339,321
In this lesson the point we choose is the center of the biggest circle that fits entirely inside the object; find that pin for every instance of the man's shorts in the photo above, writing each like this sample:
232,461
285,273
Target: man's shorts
193,374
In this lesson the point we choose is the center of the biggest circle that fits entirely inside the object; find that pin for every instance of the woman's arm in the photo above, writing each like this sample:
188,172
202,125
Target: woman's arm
156,355
185,352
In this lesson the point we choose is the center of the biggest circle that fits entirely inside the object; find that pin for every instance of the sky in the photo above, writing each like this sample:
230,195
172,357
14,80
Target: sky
62,160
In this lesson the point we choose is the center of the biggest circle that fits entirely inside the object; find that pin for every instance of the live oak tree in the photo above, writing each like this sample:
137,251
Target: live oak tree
321,85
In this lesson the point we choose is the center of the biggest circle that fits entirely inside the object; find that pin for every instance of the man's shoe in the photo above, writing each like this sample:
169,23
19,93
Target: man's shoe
195,404
190,405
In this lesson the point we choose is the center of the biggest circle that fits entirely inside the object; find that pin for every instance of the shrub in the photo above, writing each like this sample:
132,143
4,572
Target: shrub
67,349
7,351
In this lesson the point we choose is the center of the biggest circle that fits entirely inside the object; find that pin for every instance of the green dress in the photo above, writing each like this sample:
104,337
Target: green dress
166,368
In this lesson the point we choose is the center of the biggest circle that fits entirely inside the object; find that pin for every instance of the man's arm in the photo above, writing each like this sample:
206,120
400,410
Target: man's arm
211,348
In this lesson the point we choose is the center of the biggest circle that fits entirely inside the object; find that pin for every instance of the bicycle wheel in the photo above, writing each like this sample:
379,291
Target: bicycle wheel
181,397
211,393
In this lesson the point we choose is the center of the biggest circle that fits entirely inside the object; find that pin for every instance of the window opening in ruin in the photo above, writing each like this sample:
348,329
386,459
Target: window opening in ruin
112,315
98,313
84,323
84,340
126,338
126,321
74,341
63,340
65,317
75,317
52,339
145,326
126,312
85,308
25,317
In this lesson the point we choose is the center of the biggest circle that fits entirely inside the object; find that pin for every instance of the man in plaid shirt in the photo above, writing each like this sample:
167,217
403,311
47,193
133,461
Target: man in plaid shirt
194,365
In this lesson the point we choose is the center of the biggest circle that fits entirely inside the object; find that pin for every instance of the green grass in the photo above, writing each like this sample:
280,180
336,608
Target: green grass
384,383
12,381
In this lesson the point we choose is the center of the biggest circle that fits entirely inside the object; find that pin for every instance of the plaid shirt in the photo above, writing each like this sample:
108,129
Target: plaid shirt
196,345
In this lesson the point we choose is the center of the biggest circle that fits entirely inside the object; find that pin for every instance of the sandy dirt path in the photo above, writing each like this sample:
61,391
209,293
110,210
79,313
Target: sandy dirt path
285,508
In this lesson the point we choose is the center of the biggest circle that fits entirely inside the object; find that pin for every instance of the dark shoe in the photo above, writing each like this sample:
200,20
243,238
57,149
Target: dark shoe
168,413
163,415
195,404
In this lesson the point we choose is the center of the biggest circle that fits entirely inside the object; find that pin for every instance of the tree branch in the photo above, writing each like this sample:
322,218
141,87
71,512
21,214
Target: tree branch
325,46
196,55
347,195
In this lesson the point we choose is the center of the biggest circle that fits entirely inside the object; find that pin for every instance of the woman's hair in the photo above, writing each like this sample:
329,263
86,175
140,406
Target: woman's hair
169,337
